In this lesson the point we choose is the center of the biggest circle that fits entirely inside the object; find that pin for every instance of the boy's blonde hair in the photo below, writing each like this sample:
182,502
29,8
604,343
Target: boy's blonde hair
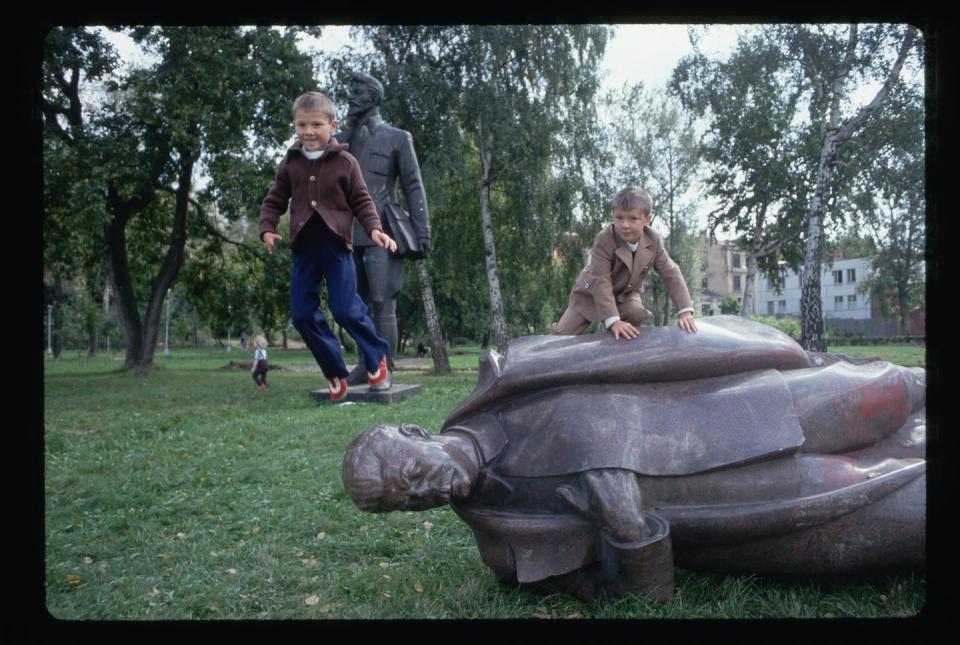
315,102
633,197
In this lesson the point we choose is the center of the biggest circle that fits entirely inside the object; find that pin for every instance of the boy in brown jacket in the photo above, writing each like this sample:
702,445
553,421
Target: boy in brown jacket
324,188
608,289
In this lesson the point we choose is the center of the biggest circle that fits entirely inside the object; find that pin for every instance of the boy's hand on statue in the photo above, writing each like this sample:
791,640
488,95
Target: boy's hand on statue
623,328
686,323
270,239
384,240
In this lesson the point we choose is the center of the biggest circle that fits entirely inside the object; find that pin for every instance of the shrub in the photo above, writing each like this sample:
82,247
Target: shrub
788,325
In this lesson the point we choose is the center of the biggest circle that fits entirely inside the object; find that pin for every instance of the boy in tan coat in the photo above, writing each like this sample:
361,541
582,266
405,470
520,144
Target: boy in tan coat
609,288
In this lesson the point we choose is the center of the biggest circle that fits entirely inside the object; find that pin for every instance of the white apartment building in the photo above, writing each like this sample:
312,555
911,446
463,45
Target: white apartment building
839,292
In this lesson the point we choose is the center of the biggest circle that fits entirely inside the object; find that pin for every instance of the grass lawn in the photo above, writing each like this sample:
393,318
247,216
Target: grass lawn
909,355
188,494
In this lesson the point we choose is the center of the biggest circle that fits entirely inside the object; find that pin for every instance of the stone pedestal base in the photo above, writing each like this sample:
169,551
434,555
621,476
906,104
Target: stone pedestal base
362,394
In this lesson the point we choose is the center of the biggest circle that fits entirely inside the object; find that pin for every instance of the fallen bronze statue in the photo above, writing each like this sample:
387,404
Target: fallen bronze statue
593,466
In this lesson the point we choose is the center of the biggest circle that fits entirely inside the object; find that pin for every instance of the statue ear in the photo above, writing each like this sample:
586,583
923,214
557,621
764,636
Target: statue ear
410,430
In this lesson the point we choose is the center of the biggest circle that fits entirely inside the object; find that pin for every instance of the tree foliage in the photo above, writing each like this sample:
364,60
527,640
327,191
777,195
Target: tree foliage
212,100
496,113
656,146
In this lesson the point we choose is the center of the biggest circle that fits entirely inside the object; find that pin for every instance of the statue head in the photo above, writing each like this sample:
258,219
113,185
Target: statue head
401,467
364,96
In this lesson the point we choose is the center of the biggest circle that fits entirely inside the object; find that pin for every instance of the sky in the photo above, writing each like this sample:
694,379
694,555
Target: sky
647,52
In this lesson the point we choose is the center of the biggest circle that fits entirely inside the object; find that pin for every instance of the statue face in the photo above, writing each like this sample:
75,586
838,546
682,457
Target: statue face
424,471
361,98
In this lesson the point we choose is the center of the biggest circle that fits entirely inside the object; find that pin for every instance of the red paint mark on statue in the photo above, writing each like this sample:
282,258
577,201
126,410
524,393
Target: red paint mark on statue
883,398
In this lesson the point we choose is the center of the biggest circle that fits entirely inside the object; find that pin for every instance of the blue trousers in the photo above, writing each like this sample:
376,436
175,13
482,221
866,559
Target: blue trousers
319,254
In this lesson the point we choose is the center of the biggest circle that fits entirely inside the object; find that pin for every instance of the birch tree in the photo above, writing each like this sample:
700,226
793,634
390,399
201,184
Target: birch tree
834,60
516,99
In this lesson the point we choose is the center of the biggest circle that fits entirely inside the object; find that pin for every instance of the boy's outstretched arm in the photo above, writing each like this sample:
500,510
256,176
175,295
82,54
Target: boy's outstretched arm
270,239
686,323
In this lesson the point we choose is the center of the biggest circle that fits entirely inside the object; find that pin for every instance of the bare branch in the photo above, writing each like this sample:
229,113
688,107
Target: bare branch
847,130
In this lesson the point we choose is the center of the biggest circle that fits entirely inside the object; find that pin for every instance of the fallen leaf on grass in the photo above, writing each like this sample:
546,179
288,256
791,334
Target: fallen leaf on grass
418,587
386,577
321,535
232,572
182,536
153,592
73,579
310,601
310,562
385,594
88,560
545,616
255,530
325,608
384,565
428,525
165,557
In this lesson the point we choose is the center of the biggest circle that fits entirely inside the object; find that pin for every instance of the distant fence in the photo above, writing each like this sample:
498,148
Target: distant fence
866,327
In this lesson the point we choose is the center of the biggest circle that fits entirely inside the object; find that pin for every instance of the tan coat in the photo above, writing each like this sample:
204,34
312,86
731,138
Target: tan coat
615,275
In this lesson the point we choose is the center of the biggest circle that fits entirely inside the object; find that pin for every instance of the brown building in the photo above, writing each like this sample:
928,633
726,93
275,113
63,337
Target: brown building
724,274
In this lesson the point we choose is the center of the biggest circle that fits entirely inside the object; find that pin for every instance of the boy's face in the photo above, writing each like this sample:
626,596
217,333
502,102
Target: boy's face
314,129
629,223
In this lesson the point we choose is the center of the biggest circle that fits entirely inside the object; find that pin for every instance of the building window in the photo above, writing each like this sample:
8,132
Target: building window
838,302
782,306
851,275
770,307
736,283
851,302
736,260
838,277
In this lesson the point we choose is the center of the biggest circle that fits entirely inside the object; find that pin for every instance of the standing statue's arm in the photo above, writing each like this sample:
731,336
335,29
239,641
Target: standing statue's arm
412,184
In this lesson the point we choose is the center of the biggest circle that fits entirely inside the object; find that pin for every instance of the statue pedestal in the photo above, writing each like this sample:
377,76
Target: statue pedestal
362,394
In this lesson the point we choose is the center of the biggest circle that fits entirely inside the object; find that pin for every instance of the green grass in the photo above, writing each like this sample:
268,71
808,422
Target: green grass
188,494
909,355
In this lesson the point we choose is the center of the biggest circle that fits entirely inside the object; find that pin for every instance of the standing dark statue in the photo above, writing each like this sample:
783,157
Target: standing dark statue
591,466
385,155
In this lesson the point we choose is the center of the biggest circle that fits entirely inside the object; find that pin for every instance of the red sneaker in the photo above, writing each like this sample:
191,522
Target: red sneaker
338,388
380,380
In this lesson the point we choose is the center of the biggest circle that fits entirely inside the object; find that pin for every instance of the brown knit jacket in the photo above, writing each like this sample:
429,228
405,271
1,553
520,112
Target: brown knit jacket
333,187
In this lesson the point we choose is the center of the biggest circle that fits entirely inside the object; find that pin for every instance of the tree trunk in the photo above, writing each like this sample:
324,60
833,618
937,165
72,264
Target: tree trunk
57,342
746,309
496,301
833,135
812,336
656,304
283,339
441,364
118,271
140,335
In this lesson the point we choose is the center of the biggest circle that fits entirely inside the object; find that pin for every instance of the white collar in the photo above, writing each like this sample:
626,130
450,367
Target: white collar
312,154
633,246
